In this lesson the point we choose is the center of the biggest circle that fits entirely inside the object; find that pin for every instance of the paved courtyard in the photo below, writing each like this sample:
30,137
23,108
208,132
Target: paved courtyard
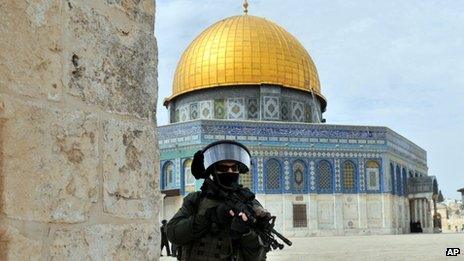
421,247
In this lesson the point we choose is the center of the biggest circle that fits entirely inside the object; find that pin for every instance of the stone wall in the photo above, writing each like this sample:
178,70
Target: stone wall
339,214
452,216
78,146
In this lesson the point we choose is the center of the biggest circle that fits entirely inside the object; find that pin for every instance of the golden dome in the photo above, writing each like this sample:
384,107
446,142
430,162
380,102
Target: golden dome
245,50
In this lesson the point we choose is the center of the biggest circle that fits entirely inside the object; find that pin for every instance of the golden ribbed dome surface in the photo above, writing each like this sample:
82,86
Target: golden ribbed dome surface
245,50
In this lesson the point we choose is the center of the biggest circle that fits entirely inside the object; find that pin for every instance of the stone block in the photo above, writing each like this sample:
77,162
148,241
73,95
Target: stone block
138,11
14,246
50,158
111,62
130,161
107,242
31,55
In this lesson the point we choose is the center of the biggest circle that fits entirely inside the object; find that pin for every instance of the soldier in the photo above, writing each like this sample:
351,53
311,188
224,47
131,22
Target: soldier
164,238
205,227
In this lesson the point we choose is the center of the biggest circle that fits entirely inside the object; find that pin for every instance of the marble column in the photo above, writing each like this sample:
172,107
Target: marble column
427,211
421,212
417,203
432,212
413,210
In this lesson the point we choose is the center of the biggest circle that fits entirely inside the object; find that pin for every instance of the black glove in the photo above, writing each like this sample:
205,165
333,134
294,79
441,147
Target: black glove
239,227
219,214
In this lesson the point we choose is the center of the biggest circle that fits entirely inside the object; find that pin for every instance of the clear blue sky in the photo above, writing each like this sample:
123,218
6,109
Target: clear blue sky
395,63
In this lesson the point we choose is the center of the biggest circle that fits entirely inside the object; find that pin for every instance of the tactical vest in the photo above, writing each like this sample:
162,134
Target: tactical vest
213,246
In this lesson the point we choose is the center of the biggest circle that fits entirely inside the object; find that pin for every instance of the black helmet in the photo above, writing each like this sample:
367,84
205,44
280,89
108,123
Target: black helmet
205,159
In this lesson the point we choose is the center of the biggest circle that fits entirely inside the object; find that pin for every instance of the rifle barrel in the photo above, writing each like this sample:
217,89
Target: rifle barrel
286,241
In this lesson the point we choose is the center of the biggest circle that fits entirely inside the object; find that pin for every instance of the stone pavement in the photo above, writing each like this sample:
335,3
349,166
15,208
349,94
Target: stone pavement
423,247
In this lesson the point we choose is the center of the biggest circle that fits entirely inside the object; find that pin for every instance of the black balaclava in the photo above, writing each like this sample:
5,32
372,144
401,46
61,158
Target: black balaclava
226,180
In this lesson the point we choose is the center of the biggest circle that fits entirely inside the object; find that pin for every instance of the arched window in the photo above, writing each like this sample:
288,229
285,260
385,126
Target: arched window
373,174
410,174
324,177
189,179
398,180
349,177
391,177
405,183
246,179
272,175
168,174
299,171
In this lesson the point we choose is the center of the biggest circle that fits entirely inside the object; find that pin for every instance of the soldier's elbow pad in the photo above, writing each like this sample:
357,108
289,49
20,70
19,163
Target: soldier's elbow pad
187,229
178,233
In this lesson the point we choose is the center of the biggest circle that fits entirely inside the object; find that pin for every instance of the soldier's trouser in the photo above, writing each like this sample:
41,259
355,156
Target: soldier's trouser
165,243
174,249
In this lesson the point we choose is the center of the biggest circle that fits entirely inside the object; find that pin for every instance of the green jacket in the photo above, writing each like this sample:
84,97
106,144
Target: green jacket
202,241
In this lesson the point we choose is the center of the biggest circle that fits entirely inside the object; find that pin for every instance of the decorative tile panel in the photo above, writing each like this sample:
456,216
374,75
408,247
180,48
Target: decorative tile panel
206,109
260,174
253,109
193,111
314,139
219,109
295,130
235,109
337,176
285,111
176,115
307,111
286,175
297,111
184,113
312,176
271,110
177,172
362,182
298,176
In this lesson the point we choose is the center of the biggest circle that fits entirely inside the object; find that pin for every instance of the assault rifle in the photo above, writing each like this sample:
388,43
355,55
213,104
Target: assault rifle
241,199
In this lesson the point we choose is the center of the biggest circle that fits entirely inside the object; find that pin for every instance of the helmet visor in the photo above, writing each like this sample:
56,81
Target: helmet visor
227,151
